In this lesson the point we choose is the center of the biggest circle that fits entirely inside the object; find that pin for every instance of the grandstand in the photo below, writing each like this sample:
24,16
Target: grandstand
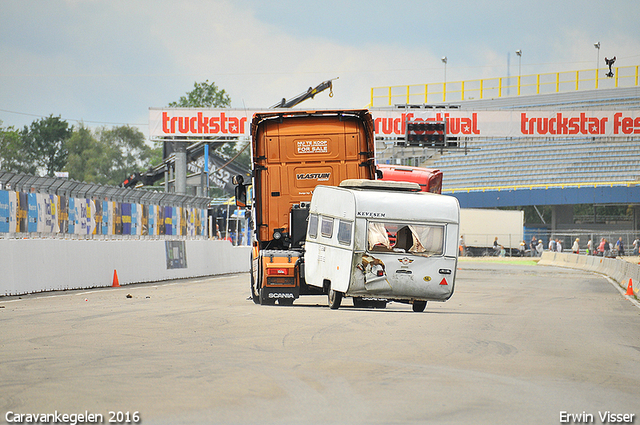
515,162
559,171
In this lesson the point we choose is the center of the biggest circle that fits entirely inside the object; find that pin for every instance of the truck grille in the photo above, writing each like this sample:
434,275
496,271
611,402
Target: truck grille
281,281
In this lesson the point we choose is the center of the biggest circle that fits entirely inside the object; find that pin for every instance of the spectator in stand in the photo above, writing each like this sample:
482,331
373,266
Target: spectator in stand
620,247
576,246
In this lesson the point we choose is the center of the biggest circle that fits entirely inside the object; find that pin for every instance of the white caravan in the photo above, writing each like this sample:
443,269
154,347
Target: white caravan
381,241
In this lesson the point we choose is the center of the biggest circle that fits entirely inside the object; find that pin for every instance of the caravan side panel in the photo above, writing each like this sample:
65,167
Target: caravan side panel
330,238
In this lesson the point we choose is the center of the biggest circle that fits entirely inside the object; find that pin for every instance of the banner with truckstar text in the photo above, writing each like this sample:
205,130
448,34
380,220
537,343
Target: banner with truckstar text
169,122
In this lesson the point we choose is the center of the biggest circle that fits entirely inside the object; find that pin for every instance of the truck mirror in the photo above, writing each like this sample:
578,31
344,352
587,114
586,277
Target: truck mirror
241,195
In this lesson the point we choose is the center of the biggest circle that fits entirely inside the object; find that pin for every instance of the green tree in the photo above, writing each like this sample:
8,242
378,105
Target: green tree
44,142
84,156
12,152
203,95
122,150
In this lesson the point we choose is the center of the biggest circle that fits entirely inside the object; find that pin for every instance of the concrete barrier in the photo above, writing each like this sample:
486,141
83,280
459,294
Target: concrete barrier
37,265
619,270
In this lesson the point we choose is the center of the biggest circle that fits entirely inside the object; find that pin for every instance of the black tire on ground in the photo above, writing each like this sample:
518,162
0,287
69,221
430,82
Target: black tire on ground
419,306
255,294
359,302
379,304
335,299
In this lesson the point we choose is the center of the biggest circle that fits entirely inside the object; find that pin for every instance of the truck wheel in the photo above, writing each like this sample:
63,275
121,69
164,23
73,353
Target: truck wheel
419,306
255,295
335,299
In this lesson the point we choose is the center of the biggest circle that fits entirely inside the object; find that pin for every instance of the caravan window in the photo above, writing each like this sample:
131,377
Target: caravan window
326,228
313,225
344,232
417,239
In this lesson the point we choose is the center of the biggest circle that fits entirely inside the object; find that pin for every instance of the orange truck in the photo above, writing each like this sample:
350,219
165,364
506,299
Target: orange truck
292,153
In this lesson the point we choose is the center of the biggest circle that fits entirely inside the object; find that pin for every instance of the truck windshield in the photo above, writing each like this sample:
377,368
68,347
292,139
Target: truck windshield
418,239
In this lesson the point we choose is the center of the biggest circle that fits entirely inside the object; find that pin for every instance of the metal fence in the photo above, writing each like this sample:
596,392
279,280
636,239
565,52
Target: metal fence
521,85
45,207
568,237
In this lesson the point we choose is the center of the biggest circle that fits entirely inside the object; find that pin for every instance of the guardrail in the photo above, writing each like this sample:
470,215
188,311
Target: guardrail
556,82
619,270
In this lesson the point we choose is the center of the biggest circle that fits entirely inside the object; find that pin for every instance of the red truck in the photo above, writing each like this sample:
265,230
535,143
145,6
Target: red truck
430,180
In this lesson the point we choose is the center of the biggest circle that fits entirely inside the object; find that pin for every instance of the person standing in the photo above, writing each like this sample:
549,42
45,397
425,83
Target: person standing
532,246
620,247
590,247
636,245
558,245
540,248
576,246
601,247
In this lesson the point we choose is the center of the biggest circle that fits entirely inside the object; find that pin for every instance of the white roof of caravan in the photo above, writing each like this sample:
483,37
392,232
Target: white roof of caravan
388,204
380,185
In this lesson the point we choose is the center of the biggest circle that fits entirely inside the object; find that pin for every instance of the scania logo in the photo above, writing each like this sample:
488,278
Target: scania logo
405,261
280,295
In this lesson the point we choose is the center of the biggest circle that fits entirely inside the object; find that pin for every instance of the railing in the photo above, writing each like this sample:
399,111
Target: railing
522,85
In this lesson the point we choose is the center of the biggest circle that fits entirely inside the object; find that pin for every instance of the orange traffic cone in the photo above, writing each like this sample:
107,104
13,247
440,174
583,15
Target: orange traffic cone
116,284
630,288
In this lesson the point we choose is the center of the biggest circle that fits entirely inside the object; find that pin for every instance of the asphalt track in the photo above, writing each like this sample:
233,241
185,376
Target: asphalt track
516,343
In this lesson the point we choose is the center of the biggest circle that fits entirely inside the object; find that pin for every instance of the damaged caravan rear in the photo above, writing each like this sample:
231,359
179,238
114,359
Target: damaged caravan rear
381,241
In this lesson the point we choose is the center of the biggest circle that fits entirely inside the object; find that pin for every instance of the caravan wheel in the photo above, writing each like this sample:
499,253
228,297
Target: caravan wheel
335,299
419,306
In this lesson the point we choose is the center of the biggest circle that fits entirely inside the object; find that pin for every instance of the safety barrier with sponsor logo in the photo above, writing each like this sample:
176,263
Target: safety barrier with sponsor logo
35,207
39,265
619,270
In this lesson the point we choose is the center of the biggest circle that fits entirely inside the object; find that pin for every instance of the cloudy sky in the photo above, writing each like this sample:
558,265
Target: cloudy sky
105,62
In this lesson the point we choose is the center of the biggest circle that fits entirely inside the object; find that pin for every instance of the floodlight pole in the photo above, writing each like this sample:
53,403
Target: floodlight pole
444,85
519,53
597,46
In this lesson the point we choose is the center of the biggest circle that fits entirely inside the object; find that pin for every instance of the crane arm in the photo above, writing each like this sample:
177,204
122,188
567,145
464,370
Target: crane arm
309,94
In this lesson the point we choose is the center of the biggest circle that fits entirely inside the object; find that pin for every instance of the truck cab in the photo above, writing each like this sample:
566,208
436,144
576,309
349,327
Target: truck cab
292,153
